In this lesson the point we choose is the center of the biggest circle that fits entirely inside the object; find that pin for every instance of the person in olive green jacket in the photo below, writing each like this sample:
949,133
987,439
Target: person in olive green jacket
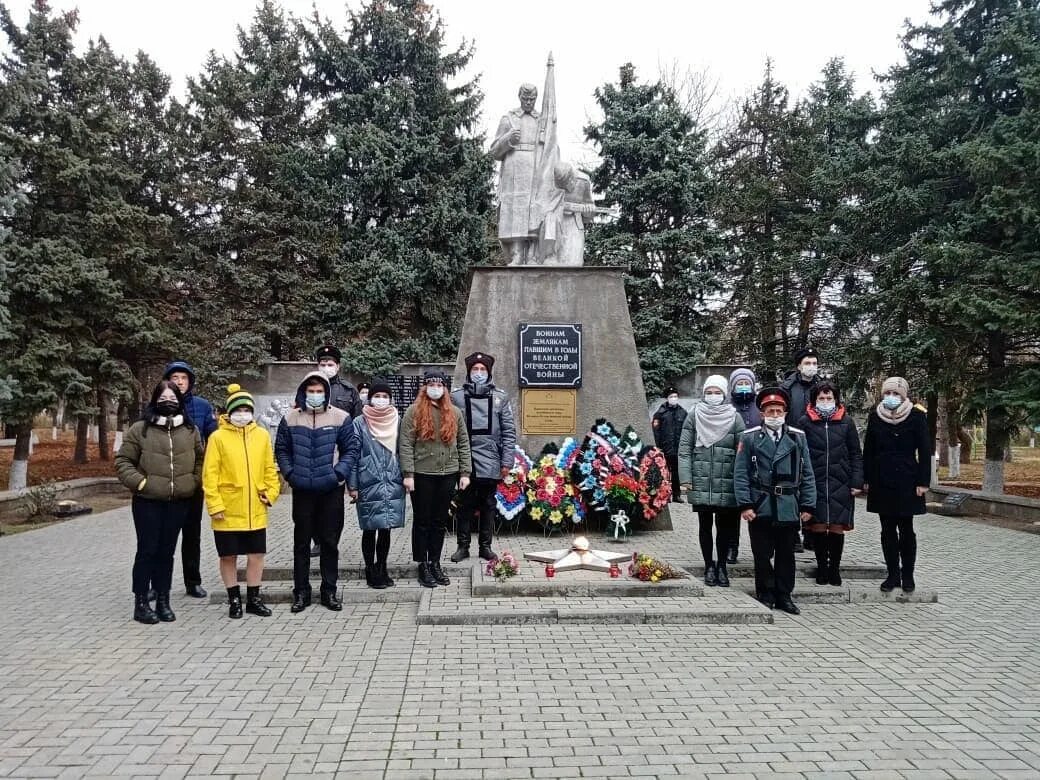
435,457
707,452
160,462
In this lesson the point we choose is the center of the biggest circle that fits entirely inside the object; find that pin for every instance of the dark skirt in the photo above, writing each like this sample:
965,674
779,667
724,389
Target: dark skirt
241,542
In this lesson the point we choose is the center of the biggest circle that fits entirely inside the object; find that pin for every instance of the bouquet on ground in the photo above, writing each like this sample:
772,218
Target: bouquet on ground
621,491
552,499
505,565
655,483
650,569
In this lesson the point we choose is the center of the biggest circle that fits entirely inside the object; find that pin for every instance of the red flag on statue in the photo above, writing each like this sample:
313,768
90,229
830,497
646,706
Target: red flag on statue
546,155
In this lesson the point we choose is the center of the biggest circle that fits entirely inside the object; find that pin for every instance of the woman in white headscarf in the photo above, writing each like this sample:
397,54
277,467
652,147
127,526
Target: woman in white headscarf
707,453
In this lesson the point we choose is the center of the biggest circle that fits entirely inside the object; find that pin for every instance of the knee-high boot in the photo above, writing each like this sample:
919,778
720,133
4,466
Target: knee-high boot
836,545
821,548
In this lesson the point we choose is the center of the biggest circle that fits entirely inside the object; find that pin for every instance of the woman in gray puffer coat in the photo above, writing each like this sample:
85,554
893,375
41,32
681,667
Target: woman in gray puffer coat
707,454
376,484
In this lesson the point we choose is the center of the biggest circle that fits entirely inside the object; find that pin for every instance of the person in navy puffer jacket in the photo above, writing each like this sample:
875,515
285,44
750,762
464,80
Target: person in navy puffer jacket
316,448
200,412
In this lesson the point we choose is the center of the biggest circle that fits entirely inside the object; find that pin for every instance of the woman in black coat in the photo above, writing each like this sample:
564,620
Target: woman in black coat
838,467
897,453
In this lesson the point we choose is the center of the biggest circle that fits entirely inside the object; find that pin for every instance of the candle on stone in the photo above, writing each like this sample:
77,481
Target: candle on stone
550,570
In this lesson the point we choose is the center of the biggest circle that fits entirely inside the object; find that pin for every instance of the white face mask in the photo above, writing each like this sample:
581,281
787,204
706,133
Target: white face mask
714,399
774,423
434,392
673,400
364,395
810,371
479,377
380,403
329,371
241,418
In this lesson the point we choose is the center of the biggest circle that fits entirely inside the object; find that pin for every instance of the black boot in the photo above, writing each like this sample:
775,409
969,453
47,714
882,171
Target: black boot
836,543
785,604
438,573
254,604
143,612
162,607
384,575
908,554
711,578
330,600
460,554
721,575
731,556
890,549
821,548
234,602
426,576
196,591
373,577
300,601
487,553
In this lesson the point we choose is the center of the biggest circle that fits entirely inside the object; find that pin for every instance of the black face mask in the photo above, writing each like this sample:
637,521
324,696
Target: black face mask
743,396
167,408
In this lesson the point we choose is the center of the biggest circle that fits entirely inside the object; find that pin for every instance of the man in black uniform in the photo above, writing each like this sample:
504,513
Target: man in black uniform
667,424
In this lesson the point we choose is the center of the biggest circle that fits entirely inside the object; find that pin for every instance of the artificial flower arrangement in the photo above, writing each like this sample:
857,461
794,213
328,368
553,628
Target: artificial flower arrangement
552,499
655,483
505,565
650,569
511,496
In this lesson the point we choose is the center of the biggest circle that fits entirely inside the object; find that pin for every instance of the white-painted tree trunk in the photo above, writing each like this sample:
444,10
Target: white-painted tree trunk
18,476
993,476
955,461
118,442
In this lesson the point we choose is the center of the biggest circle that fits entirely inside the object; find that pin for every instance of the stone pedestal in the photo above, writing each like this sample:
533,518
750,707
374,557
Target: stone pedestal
500,298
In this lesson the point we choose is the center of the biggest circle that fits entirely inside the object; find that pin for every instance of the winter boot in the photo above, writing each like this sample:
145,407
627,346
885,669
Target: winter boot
143,612
821,548
426,578
234,602
384,576
836,543
721,575
254,604
711,577
890,549
162,607
460,554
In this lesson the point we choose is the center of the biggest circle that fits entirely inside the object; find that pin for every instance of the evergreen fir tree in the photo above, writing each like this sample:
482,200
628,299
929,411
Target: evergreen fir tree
654,171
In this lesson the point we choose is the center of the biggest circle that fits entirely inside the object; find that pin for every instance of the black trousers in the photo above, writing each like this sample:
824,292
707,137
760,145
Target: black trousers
191,538
673,469
157,524
431,508
727,526
316,516
772,544
479,497
899,541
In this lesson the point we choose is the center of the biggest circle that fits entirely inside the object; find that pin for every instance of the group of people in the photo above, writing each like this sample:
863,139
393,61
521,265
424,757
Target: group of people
787,460
334,442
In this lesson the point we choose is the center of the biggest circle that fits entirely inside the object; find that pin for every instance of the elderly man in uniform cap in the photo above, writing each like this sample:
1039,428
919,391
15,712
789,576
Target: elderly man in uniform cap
775,490
492,437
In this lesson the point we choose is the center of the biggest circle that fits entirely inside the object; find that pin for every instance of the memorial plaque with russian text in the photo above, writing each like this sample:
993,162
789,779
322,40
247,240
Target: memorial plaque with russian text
548,412
550,355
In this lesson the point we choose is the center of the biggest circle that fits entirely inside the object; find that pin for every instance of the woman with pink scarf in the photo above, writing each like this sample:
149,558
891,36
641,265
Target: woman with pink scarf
376,484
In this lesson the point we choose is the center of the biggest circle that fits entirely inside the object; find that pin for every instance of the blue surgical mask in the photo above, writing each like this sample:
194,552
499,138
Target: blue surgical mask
826,408
315,400
892,401
479,377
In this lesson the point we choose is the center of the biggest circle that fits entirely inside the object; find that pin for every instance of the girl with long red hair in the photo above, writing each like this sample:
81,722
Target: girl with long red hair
435,459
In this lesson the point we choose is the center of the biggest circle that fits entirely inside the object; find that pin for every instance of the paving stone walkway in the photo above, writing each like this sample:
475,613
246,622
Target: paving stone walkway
950,689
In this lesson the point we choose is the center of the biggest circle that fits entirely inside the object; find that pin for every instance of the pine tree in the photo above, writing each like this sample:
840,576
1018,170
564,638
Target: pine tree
410,181
654,171
263,215
761,168
956,199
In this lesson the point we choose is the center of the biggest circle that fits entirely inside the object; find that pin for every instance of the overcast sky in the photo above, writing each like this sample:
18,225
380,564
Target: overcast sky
589,39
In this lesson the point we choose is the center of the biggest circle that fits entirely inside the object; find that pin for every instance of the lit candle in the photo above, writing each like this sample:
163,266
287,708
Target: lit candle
550,570
615,572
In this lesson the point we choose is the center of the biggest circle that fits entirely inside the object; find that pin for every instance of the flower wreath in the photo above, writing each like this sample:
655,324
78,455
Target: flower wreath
655,483
510,496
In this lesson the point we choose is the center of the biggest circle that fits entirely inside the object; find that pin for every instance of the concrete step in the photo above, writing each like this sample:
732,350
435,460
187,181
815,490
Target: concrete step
281,573
804,567
581,584
849,592
436,608
350,592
